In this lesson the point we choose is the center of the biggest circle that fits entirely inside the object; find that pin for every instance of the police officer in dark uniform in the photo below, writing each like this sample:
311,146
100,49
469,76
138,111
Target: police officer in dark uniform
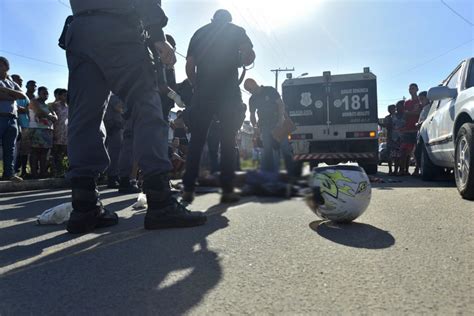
106,52
215,53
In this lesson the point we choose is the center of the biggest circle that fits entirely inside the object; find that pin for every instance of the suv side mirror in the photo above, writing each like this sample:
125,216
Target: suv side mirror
441,93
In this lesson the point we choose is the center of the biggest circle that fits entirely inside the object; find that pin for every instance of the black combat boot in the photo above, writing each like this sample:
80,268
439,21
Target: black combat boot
229,195
127,186
88,212
113,182
164,211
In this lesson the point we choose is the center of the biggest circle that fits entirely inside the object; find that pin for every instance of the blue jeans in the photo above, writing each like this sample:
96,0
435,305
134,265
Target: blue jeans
8,133
271,155
287,152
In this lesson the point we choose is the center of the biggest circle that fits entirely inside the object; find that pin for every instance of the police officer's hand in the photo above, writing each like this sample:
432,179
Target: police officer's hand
166,53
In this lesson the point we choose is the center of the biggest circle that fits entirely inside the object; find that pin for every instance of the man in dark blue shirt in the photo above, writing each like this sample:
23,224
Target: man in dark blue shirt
215,53
106,51
267,103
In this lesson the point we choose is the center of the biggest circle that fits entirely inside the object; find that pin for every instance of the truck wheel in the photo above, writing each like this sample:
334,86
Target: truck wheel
464,161
370,169
298,168
429,171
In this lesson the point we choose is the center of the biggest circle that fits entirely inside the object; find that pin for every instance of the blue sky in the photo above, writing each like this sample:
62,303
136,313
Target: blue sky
401,41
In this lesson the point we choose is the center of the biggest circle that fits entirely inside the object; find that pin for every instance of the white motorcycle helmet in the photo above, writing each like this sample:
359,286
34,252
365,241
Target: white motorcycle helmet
339,193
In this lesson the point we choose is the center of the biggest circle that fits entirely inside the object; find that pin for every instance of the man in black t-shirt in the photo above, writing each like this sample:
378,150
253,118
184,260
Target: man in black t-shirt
267,103
215,53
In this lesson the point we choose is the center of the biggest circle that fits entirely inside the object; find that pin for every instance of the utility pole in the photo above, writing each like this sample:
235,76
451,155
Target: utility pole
277,71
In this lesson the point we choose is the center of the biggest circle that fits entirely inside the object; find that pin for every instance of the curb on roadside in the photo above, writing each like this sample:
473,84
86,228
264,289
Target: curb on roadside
32,185
61,183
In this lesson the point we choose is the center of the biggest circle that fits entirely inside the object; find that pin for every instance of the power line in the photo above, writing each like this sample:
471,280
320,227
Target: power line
255,37
434,58
457,13
265,36
178,53
271,33
249,26
277,72
34,59
63,4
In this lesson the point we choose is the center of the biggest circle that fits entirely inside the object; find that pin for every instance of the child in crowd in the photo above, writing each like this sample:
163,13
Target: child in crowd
398,125
42,118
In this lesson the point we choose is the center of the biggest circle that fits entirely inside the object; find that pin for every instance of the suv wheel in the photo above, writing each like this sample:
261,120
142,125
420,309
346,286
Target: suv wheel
429,171
464,161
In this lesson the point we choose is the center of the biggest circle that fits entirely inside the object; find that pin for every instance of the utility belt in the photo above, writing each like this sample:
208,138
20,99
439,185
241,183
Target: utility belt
88,13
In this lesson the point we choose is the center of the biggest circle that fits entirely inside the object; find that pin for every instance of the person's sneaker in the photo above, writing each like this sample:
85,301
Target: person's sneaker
174,215
84,222
230,197
15,178
187,196
128,187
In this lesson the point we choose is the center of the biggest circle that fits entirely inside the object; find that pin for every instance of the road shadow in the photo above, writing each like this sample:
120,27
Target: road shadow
135,271
29,230
23,210
32,196
357,235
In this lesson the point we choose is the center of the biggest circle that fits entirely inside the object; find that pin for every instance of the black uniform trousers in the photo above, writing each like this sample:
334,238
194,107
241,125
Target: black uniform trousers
106,53
230,113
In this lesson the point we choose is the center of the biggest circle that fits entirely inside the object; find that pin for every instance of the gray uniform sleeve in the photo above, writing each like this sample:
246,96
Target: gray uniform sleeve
252,105
153,18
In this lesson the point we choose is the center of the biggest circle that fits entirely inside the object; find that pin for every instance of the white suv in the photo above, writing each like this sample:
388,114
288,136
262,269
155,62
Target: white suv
448,132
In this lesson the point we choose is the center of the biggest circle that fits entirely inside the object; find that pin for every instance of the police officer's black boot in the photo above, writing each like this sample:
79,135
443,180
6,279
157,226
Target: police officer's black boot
88,212
164,211
113,182
127,186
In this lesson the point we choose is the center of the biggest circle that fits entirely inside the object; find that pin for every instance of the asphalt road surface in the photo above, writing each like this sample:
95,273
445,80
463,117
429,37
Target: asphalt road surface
411,252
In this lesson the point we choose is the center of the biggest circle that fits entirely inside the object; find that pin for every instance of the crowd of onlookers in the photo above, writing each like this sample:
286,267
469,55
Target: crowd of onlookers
402,137
33,130
36,146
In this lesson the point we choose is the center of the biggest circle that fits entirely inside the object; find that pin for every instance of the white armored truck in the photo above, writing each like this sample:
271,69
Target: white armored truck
336,119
